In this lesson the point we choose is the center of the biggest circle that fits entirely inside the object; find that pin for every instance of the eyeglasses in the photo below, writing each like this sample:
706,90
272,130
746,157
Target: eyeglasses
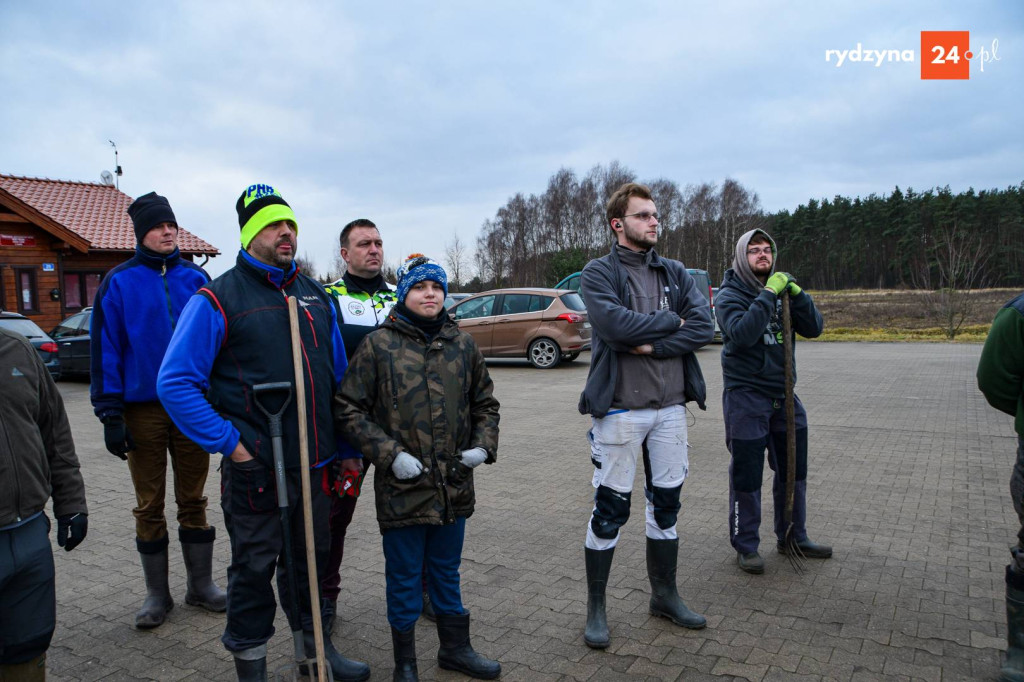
767,250
644,216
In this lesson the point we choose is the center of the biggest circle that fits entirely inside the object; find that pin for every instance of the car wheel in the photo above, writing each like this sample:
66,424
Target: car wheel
544,353
569,357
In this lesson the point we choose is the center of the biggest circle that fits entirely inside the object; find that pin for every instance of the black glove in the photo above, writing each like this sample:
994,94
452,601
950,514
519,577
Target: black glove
77,524
115,433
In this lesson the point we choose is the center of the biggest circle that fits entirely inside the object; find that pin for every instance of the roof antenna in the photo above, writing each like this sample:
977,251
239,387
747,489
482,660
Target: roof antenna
117,167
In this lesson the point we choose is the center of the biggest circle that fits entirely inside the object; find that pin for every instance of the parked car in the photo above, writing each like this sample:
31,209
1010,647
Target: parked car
72,337
546,326
702,278
451,299
44,345
714,316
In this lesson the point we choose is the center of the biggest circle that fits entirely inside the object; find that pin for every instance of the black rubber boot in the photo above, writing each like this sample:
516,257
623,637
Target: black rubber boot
251,670
456,652
1013,664
197,550
599,564
329,612
665,601
428,608
29,671
404,644
158,602
344,669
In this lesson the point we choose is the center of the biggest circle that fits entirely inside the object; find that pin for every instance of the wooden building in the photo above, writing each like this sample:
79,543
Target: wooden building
57,240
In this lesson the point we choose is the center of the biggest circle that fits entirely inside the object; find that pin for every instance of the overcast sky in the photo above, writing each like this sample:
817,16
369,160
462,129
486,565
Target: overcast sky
427,116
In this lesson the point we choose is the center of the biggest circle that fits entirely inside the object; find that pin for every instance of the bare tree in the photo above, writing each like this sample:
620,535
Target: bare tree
306,265
456,258
956,260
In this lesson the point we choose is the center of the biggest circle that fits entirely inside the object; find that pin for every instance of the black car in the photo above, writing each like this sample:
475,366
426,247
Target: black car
44,345
72,337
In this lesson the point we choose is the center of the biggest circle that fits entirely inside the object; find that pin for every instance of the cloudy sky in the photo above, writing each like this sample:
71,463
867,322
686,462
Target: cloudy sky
427,116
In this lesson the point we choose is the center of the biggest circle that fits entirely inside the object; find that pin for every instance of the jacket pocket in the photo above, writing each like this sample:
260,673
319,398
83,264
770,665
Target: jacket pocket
411,497
252,487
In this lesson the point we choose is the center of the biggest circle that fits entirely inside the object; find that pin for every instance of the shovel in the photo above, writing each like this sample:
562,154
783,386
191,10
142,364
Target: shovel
793,553
289,671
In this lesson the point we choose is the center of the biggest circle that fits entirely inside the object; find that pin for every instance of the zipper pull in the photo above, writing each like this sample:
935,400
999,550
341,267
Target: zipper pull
163,269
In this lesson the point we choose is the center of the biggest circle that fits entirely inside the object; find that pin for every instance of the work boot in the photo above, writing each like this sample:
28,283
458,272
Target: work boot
428,607
599,564
158,602
252,669
810,550
665,601
29,671
456,652
345,670
1013,664
404,644
329,613
751,562
197,550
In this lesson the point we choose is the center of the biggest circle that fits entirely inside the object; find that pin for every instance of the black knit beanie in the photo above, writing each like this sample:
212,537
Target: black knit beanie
148,211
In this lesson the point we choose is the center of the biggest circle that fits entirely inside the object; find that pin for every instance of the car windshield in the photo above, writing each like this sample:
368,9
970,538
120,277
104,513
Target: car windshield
573,302
26,328
703,282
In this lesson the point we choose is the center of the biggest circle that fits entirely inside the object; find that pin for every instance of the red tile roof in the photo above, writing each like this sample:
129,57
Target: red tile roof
96,212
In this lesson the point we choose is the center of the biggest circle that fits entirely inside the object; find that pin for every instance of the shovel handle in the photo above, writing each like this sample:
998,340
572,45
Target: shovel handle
307,509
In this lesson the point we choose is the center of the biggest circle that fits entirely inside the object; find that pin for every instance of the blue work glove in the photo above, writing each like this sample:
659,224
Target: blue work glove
473,458
115,434
406,466
71,530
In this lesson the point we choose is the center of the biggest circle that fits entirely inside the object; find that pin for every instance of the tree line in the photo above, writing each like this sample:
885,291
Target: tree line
900,240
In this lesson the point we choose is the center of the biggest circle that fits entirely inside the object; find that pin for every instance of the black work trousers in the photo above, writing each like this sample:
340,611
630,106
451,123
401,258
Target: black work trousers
252,518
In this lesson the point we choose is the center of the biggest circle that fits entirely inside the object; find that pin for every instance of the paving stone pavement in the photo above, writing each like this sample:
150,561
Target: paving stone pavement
909,477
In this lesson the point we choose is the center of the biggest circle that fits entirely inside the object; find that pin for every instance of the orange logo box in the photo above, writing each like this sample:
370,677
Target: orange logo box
945,55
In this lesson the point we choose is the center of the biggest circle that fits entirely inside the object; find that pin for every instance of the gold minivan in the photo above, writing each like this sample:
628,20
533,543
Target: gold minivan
546,326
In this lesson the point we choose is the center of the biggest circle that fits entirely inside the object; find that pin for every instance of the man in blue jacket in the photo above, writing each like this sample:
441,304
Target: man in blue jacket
233,335
749,310
134,314
648,318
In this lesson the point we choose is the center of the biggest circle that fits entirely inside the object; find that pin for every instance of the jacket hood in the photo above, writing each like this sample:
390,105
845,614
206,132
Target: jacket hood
739,261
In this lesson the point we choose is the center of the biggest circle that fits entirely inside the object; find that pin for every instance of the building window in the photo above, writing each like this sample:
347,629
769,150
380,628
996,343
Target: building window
28,297
80,289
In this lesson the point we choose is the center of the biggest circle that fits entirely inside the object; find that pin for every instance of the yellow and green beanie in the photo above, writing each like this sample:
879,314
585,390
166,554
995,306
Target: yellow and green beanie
259,206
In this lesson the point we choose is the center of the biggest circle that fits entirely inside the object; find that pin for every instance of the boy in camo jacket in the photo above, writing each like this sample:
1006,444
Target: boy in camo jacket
418,402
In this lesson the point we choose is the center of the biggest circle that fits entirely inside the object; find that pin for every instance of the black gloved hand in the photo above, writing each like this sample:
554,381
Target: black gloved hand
119,442
77,524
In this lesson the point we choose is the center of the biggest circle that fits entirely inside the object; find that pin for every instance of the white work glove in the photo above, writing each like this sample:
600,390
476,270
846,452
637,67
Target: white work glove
473,458
406,466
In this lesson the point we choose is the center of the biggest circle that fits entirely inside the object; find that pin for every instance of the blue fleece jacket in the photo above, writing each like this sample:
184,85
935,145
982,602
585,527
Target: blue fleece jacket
189,360
134,314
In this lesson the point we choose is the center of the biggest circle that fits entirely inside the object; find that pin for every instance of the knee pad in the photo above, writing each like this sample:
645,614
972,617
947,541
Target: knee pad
611,511
13,653
748,464
665,502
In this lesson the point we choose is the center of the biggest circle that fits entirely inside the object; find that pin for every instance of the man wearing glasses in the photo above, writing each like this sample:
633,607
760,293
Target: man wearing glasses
648,318
749,309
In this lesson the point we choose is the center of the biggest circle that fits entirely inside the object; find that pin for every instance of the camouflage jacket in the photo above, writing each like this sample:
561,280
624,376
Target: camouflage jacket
430,400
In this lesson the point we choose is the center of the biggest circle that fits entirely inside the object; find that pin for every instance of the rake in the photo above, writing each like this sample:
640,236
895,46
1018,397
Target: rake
793,553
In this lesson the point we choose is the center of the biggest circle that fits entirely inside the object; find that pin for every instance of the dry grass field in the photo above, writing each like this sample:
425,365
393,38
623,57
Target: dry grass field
901,315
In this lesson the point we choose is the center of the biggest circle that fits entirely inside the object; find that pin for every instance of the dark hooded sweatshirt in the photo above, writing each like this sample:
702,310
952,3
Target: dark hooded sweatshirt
750,318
